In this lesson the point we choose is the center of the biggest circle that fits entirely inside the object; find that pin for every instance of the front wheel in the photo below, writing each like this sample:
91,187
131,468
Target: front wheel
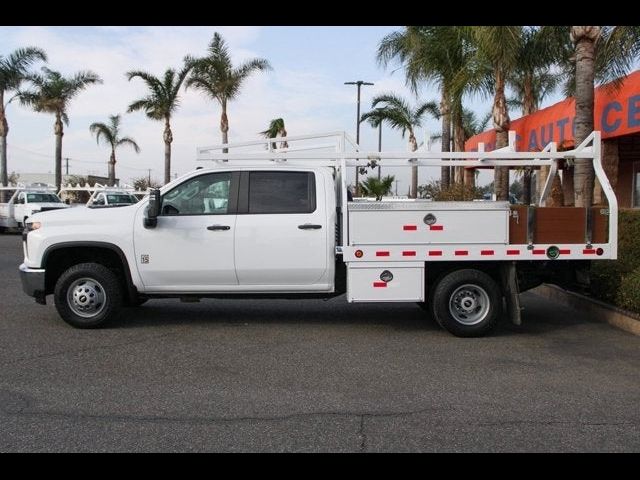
88,295
467,303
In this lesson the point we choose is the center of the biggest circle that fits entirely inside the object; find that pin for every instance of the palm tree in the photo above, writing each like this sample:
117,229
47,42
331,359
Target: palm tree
216,77
160,104
532,81
276,129
13,71
603,53
396,112
111,135
433,54
497,49
53,93
374,187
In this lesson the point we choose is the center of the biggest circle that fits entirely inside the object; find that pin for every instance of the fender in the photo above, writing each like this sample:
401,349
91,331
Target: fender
131,288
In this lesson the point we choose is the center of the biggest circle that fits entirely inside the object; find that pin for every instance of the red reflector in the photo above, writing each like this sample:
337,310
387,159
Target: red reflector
380,284
436,227
513,252
486,252
410,227
589,251
565,252
462,252
435,253
538,252
599,251
359,253
409,253
382,254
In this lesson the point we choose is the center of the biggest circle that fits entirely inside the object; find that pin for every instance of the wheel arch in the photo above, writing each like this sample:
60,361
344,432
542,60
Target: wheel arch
59,257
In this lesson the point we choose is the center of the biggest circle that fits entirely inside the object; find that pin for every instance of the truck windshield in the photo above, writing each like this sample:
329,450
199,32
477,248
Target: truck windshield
121,198
42,198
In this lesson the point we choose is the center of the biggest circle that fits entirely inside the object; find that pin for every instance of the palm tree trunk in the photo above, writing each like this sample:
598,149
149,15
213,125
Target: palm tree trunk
529,105
4,131
445,175
501,123
59,132
414,168
526,187
567,186
224,126
584,39
458,140
168,138
112,168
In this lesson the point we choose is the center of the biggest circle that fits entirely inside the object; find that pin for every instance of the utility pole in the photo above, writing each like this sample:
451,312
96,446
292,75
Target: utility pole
149,178
66,168
359,83
397,187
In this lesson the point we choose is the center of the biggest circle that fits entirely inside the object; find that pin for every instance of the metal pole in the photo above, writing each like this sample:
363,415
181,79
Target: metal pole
359,83
379,146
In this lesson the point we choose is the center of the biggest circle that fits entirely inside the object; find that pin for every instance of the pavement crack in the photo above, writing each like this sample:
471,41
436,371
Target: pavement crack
362,435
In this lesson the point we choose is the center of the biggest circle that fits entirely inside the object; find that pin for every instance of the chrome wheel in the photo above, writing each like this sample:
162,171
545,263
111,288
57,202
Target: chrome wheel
469,304
86,297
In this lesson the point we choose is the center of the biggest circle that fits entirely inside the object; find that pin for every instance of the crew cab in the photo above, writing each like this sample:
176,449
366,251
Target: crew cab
282,224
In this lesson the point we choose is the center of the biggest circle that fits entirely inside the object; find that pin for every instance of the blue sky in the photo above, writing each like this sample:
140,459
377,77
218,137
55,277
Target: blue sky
306,88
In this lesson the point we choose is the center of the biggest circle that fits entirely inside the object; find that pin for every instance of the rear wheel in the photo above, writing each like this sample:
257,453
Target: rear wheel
88,295
467,303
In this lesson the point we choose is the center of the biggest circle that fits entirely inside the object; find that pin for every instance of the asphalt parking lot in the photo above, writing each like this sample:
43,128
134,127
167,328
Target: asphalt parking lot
278,375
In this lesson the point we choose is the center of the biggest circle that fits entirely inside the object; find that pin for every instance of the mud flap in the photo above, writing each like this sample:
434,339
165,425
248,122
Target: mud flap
511,292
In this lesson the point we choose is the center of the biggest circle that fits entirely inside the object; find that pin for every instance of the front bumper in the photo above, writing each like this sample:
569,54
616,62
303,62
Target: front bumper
33,282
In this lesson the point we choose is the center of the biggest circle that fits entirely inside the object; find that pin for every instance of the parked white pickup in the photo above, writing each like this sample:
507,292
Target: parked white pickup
26,201
282,224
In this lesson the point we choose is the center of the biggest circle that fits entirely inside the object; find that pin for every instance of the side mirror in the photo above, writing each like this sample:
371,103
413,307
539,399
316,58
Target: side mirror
153,209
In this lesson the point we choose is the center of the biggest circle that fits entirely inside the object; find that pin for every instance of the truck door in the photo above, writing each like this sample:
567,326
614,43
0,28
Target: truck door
281,229
191,248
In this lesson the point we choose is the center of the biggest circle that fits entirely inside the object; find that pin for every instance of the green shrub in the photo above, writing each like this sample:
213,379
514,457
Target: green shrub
618,281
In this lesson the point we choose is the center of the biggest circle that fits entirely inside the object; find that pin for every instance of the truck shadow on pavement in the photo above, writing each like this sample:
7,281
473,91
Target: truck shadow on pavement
538,317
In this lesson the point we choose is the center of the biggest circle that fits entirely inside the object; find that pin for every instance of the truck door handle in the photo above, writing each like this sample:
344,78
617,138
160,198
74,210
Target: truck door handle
309,226
218,227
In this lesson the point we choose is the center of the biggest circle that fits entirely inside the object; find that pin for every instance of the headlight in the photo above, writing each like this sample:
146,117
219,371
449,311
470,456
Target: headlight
31,226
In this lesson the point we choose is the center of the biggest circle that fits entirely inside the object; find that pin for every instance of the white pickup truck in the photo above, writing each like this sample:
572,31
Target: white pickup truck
282,224
26,201
102,196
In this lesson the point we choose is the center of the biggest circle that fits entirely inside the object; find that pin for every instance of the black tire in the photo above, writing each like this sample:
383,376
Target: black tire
467,303
81,286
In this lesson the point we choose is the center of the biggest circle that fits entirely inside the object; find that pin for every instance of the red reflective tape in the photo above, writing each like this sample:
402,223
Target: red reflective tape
462,252
436,227
435,253
538,252
513,252
380,284
410,227
409,253
589,251
382,253
486,252
565,252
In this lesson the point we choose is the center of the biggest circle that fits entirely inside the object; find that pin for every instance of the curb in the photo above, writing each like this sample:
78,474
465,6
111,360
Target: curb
595,309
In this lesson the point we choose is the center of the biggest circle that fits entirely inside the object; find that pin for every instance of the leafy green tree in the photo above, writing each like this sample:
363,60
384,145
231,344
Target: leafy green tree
53,93
161,103
110,134
216,77
374,187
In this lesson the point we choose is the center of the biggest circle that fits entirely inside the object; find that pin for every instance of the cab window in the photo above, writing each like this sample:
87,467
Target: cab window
208,194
